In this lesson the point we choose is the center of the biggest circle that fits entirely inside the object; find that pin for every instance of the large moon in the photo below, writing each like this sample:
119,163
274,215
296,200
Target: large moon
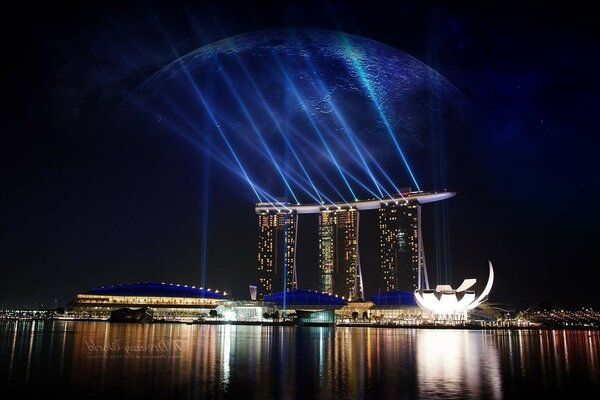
306,112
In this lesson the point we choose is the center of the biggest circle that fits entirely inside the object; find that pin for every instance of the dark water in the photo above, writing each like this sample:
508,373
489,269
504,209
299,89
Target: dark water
101,360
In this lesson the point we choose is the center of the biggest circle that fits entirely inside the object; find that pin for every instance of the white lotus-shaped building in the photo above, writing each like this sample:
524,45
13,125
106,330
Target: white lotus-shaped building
447,303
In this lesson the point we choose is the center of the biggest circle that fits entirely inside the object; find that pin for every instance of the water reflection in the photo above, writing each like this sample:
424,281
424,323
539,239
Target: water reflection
458,364
170,360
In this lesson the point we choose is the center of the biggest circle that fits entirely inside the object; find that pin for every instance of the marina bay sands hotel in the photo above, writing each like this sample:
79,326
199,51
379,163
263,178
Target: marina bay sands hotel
401,254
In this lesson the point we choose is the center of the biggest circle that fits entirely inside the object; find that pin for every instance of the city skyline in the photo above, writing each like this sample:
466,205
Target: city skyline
85,205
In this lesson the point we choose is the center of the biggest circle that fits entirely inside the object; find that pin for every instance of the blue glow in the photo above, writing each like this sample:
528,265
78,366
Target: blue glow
204,219
287,173
208,110
292,87
367,85
349,133
279,129
257,132
306,112
214,152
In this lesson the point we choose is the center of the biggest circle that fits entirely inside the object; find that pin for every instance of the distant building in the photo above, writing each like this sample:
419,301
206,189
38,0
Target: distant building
311,307
276,252
305,300
167,300
246,311
396,305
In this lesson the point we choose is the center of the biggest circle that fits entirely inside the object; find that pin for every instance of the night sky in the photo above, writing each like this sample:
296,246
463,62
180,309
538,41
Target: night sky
83,204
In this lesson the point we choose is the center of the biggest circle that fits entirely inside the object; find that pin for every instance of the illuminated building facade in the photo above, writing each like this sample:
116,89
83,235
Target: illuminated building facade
168,301
402,257
399,246
276,252
339,264
446,303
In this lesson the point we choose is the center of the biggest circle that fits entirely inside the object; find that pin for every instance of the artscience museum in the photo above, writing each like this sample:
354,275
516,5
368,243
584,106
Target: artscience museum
446,303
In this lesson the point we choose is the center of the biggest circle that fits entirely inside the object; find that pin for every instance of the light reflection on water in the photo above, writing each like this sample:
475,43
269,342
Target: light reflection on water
99,359
457,364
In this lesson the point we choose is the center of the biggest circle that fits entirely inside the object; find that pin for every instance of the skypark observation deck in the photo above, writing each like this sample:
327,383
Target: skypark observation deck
420,197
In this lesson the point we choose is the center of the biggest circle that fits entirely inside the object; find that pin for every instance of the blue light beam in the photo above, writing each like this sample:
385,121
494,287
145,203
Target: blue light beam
373,97
256,131
314,126
206,107
278,126
345,127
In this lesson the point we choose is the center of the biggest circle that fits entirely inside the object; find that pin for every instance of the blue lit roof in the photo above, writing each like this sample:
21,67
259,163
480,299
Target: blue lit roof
300,297
397,298
157,289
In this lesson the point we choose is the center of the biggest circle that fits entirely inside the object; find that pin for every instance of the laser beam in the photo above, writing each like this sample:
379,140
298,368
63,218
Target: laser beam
364,80
256,130
315,127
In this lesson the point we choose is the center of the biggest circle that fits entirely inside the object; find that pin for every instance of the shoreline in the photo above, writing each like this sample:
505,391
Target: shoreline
338,325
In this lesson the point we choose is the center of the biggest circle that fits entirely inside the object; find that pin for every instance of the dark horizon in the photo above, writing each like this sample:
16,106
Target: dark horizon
86,205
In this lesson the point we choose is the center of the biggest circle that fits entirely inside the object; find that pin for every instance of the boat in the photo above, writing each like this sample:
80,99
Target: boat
141,315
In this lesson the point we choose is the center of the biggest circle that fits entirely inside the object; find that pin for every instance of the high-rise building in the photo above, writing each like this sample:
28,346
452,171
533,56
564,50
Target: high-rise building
400,246
339,263
276,252
401,255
